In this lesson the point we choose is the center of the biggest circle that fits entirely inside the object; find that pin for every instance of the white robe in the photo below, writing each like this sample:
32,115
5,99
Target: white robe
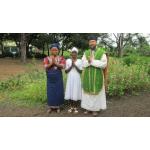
73,85
94,102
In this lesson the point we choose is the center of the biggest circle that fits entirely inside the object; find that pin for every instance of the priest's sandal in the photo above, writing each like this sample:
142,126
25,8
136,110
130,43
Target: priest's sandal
95,113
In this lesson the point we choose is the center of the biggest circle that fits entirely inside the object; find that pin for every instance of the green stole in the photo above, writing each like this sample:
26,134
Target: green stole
93,76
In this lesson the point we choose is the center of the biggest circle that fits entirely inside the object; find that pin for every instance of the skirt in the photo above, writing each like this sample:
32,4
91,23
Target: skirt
55,89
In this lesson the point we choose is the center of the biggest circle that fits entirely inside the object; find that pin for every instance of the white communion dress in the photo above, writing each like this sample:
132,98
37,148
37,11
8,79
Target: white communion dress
73,85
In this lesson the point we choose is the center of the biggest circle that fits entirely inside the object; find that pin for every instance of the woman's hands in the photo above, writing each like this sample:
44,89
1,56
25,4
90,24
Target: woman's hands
55,63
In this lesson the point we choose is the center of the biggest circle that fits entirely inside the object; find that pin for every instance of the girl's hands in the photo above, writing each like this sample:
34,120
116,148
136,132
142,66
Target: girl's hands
73,63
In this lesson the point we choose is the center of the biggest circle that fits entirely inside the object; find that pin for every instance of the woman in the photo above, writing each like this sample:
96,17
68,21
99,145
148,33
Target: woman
73,86
55,90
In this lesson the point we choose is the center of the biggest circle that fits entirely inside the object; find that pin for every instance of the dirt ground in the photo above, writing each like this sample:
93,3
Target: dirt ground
10,67
126,106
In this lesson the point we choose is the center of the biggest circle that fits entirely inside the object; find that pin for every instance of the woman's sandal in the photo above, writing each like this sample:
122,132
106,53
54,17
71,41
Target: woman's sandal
58,110
49,110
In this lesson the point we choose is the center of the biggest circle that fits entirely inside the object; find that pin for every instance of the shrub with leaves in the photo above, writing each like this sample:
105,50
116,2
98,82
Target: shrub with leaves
127,79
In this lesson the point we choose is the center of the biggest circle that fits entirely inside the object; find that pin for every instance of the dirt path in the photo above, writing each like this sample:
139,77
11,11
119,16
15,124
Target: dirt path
127,106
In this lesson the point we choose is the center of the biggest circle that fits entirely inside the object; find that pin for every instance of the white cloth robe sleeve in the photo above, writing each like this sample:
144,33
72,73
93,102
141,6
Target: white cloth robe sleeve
96,63
85,62
100,63
68,64
80,65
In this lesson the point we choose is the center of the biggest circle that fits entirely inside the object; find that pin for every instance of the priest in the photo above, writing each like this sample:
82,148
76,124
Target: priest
93,93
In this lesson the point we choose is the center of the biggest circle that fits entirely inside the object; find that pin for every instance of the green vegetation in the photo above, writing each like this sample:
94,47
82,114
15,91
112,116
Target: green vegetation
126,78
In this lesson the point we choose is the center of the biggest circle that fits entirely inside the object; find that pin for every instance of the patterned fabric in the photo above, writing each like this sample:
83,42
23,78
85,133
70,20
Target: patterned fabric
59,59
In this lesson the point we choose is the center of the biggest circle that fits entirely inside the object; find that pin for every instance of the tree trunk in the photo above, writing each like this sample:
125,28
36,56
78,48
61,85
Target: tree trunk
62,50
120,45
23,47
2,48
62,54
43,47
48,49
27,49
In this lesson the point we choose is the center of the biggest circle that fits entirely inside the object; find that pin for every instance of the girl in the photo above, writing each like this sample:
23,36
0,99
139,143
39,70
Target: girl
73,86
55,91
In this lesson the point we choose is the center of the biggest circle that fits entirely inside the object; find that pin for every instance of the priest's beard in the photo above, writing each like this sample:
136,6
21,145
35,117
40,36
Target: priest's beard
93,48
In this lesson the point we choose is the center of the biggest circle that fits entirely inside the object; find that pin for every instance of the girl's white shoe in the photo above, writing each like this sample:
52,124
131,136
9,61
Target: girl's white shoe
70,110
86,112
75,111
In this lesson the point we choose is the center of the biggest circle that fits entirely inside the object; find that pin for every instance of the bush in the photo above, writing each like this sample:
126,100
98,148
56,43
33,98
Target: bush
13,83
129,60
127,79
66,54
144,50
31,93
136,59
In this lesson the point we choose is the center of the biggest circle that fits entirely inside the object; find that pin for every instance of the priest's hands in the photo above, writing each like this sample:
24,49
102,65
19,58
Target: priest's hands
90,60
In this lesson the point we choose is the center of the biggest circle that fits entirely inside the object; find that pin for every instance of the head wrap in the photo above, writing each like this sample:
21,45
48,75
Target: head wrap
74,49
54,45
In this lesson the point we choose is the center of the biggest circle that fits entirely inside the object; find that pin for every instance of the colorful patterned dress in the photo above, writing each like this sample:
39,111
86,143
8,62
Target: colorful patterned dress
55,89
